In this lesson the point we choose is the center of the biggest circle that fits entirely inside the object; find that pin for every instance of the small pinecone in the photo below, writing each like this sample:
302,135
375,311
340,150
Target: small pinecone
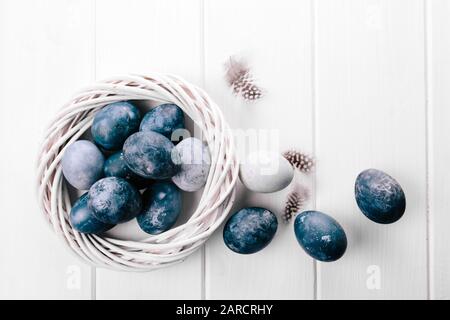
299,160
295,202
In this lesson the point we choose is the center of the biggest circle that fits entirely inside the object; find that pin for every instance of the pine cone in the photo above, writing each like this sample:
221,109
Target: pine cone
299,160
295,202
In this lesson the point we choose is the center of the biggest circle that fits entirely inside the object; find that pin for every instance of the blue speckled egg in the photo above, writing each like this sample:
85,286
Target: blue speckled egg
195,161
163,119
320,235
114,200
162,206
82,164
83,220
250,230
115,166
379,196
149,155
114,124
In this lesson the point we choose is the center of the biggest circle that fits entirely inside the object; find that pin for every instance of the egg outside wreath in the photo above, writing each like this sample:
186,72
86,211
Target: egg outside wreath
156,251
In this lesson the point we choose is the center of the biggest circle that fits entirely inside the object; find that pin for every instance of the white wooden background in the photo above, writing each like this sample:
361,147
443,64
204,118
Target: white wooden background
361,83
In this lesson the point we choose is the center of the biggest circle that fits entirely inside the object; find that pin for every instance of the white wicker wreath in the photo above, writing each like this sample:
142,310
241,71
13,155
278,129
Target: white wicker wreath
175,244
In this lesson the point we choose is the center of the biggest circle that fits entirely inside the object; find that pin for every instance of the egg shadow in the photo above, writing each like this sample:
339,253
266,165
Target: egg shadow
144,105
189,204
74,194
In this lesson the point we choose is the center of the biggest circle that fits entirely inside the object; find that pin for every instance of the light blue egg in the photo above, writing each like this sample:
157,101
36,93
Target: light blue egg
164,119
114,123
162,206
115,166
320,235
82,164
83,220
149,155
250,230
379,196
114,200
195,162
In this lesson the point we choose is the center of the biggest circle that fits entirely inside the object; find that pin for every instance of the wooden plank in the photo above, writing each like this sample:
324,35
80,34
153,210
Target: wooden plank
46,54
142,36
275,37
371,113
438,36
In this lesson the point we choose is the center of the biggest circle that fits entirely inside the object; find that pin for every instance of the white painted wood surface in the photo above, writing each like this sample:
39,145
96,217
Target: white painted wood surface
48,45
168,39
438,52
285,114
370,92
361,82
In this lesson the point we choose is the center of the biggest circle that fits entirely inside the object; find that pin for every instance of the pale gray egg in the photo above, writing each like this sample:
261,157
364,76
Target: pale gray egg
82,164
195,160
265,172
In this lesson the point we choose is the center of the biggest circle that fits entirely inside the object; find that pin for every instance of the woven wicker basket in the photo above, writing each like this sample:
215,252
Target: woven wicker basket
157,251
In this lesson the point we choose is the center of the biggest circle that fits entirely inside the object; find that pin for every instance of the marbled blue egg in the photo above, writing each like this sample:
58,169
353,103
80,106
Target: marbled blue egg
115,166
379,196
83,220
162,206
195,161
82,164
320,235
114,124
149,155
114,200
250,230
164,119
